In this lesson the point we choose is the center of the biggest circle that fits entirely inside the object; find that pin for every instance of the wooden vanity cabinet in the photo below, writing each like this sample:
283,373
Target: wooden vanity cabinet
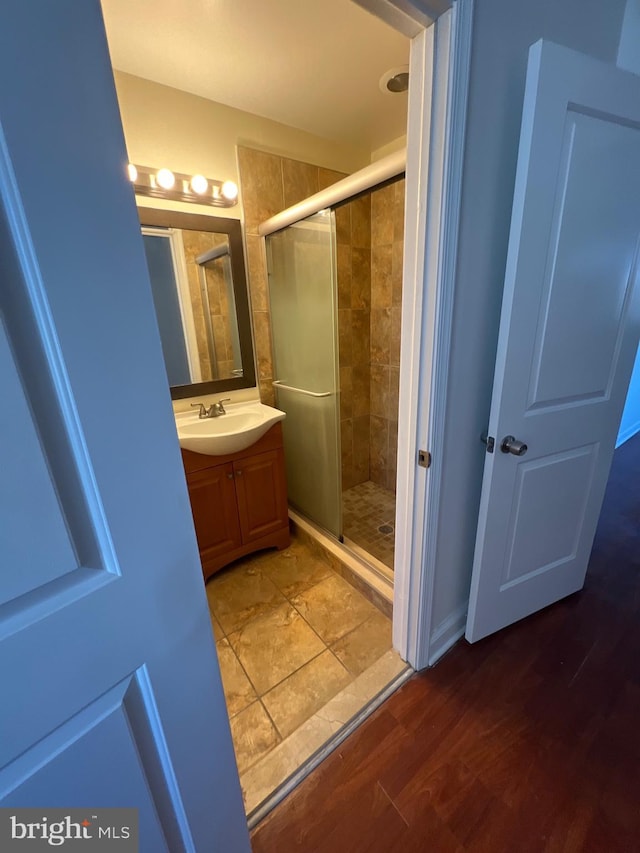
239,501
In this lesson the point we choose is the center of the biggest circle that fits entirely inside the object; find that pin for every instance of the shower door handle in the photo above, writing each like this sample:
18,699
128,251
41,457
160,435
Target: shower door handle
278,384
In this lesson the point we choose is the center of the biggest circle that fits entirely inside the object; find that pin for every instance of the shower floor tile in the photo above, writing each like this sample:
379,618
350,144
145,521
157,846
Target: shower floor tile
292,635
368,519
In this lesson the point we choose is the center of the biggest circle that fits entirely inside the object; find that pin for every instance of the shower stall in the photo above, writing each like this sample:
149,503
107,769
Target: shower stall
335,289
303,298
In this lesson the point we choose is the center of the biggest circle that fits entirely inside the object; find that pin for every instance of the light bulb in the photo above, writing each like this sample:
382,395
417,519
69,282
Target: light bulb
229,190
133,173
166,179
199,184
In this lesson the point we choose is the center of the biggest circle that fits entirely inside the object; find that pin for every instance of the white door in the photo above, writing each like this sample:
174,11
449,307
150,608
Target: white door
568,335
111,693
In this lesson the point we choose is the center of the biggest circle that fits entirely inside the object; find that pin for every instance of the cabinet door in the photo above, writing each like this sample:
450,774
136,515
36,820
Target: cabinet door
213,504
262,494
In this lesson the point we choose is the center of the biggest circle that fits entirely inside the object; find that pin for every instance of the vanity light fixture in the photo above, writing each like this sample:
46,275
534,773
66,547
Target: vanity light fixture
199,184
165,179
163,183
230,191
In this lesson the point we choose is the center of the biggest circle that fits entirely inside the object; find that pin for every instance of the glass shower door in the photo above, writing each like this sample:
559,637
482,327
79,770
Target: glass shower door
303,300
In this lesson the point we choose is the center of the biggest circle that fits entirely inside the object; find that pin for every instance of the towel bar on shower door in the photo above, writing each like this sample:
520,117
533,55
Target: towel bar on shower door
278,384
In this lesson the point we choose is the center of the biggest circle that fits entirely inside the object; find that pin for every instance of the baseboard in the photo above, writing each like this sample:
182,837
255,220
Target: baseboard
447,633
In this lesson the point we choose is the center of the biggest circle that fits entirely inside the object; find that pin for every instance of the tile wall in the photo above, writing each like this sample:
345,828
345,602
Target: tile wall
353,237
387,235
370,233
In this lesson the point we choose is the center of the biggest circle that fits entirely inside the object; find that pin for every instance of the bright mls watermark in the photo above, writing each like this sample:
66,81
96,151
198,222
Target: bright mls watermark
102,830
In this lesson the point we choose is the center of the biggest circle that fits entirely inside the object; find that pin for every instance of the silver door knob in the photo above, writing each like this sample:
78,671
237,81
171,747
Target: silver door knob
511,445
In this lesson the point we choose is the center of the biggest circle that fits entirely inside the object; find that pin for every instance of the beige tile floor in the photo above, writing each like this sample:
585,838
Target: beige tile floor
291,635
365,509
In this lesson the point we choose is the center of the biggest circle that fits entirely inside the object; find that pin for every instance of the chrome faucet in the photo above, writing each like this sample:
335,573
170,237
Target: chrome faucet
218,409
214,410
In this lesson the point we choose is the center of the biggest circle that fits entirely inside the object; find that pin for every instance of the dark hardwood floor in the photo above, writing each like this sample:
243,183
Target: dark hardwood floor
527,741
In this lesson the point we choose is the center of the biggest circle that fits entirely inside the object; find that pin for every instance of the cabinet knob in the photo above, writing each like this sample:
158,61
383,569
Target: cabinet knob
239,473
229,476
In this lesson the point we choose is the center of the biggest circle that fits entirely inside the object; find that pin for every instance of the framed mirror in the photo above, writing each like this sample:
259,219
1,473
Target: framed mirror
197,271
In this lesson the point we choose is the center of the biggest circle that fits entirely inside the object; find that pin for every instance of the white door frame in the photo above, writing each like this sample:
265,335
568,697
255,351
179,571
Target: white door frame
435,147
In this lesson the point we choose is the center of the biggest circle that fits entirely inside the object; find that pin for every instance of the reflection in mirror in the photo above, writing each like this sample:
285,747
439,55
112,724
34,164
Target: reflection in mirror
196,266
222,359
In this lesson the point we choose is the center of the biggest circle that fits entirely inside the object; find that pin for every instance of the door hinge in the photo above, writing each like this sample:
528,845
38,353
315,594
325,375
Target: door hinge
424,459
489,440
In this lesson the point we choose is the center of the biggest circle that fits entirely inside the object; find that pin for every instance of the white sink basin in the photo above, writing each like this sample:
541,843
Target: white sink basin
241,426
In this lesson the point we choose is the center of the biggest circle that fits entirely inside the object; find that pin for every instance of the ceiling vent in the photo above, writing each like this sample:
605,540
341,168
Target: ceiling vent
395,80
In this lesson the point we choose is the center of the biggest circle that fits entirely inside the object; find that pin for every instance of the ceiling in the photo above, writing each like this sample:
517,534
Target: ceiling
311,64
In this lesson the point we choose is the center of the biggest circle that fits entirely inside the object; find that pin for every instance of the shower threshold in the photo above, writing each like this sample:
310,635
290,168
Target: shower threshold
368,574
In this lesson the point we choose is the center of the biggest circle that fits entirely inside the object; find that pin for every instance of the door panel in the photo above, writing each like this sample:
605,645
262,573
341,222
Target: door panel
545,489
25,487
111,689
580,322
568,335
111,748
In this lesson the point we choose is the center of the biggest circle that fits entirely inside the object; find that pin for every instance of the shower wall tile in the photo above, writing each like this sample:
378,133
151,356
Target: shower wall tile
382,215
257,272
394,390
361,222
345,337
394,342
361,278
380,399
379,450
361,452
397,254
346,446
346,393
262,338
300,180
354,297
398,212
361,337
262,190
380,335
361,390
392,461
387,234
343,224
343,264
327,177
381,275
